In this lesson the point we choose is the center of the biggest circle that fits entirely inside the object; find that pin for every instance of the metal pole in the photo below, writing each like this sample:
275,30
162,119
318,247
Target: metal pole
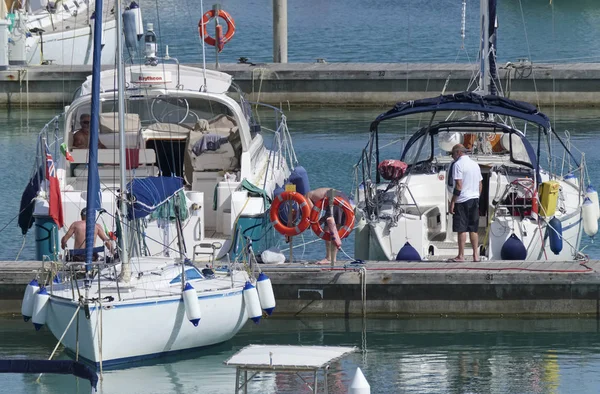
216,9
332,248
280,44
237,380
125,267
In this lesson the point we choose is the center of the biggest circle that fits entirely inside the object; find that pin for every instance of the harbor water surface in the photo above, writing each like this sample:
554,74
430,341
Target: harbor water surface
417,355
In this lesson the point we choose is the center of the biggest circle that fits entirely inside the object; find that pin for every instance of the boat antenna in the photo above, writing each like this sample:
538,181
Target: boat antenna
200,31
125,267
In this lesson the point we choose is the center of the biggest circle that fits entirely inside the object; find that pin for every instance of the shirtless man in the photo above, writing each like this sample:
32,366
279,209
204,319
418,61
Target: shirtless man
81,138
315,196
78,229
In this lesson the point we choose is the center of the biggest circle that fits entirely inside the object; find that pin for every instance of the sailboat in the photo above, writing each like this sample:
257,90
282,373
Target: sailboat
60,32
176,138
533,204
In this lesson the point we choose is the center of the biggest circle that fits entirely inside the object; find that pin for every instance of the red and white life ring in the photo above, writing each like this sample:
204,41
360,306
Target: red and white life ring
347,226
303,222
220,40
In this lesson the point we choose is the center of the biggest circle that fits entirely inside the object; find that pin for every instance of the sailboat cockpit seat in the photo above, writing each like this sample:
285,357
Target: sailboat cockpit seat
109,130
141,160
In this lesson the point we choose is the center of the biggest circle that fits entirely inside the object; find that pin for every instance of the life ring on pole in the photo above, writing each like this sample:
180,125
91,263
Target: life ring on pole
323,204
303,222
203,28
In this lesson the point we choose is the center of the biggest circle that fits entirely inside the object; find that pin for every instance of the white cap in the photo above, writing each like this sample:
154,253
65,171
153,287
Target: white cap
150,26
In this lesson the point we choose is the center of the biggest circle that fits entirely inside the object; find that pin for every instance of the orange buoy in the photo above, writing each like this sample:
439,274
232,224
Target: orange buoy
303,223
221,39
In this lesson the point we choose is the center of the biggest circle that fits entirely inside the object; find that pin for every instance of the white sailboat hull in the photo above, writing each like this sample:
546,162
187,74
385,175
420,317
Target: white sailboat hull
72,47
121,332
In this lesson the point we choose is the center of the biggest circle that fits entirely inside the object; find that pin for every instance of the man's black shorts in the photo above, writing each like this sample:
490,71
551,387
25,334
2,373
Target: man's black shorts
466,216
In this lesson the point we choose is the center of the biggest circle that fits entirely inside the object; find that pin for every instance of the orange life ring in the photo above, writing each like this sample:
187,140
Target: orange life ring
203,24
303,223
344,230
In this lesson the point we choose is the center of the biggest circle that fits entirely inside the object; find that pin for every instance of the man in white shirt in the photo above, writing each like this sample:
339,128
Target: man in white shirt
465,201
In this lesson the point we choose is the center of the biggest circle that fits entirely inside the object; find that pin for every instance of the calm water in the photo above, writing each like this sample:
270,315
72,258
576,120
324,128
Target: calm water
386,30
436,355
328,143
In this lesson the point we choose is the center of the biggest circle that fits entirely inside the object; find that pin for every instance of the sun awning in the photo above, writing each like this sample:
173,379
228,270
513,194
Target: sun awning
469,102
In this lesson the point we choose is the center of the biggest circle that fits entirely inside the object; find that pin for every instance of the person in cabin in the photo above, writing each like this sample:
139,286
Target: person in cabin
328,221
77,229
81,138
464,204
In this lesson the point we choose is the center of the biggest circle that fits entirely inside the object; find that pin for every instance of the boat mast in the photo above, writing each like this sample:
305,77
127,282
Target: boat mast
93,185
125,266
488,73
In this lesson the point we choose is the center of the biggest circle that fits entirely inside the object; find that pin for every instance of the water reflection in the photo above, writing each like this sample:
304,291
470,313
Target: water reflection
416,355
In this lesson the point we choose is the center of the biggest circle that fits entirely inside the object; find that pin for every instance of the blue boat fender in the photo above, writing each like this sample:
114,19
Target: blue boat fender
408,253
555,235
513,249
299,177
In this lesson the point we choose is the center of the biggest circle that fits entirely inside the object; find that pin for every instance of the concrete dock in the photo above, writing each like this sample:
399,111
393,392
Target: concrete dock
325,84
405,289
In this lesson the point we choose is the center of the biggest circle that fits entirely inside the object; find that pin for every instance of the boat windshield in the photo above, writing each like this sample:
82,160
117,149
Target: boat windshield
425,147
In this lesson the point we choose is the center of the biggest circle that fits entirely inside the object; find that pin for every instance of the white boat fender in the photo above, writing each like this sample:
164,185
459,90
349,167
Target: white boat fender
265,293
40,308
252,302
592,194
359,384
590,220
129,29
513,249
139,23
27,306
192,306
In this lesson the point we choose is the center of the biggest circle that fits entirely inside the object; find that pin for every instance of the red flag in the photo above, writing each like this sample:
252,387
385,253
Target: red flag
54,199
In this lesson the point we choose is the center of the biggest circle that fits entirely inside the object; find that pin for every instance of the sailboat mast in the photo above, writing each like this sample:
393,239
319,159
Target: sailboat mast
126,269
484,75
488,73
93,185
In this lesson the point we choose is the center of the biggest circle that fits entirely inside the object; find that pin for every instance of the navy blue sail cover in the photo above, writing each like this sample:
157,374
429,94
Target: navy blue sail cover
147,194
47,366
469,102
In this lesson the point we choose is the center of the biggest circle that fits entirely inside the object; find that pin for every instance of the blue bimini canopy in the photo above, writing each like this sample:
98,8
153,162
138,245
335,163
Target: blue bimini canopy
147,194
469,102
47,366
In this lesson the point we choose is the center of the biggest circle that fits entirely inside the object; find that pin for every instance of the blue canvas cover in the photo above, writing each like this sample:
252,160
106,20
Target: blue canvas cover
147,194
469,102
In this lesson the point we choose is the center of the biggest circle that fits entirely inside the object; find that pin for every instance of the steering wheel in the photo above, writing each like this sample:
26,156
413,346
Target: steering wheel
160,108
